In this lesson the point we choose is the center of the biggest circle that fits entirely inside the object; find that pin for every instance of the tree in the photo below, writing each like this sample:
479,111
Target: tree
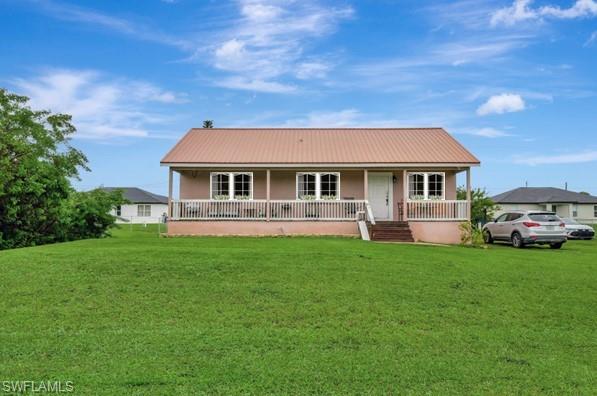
208,124
37,162
482,206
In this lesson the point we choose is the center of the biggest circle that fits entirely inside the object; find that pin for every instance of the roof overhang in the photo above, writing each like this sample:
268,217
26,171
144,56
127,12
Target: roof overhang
323,165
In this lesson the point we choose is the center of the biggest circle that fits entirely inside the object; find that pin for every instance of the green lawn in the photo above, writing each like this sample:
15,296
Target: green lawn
138,314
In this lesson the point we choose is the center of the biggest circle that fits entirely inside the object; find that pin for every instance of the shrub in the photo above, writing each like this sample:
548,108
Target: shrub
470,235
87,214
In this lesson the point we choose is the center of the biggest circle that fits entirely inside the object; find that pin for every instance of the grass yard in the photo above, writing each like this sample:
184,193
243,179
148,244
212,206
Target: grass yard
138,314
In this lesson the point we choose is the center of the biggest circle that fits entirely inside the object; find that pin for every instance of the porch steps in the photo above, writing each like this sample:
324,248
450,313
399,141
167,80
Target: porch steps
391,231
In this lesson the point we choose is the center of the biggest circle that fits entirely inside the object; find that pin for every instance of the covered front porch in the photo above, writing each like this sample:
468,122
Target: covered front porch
315,201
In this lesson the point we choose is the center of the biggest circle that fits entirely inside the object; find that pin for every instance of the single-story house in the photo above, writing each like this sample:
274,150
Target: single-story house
144,207
581,207
319,181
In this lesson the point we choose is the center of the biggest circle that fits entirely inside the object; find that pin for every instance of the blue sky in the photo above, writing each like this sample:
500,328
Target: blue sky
514,81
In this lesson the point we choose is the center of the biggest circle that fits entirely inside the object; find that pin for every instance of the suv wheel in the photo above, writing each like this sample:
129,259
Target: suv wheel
555,245
487,237
517,240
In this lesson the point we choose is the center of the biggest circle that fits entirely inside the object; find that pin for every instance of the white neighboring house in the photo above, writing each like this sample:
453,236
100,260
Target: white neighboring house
566,204
144,207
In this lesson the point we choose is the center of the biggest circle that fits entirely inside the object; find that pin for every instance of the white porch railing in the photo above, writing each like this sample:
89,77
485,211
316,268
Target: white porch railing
438,210
205,209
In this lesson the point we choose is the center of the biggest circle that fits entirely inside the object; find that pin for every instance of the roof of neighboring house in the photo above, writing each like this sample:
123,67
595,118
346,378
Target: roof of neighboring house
540,195
138,196
318,146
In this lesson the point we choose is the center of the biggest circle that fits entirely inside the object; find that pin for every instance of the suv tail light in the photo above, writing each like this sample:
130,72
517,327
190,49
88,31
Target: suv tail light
563,225
531,224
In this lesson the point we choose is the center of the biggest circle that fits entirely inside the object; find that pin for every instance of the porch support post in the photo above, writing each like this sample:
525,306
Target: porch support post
404,195
468,192
169,192
268,208
366,184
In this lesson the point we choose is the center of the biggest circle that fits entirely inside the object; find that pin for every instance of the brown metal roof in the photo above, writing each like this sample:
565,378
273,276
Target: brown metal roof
318,146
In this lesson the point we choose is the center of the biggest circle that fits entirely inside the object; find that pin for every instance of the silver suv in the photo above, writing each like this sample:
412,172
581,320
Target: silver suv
521,227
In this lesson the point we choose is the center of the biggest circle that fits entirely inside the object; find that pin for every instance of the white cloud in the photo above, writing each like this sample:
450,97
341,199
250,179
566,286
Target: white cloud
342,118
268,42
521,10
309,70
101,108
355,118
69,12
260,12
517,12
587,156
487,133
237,82
499,104
591,39
580,9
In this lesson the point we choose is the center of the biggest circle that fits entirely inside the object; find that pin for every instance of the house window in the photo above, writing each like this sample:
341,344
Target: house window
231,185
426,185
143,210
416,186
306,185
329,185
595,211
119,210
316,185
575,211
220,186
242,186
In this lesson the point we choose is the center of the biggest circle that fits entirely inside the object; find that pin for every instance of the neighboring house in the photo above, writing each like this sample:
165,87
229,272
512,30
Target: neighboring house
144,207
269,181
581,207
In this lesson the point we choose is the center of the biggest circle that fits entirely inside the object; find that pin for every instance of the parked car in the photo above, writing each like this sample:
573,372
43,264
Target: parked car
575,230
522,228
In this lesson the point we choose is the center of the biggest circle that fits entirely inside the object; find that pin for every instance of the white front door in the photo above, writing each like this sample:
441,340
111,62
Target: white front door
380,195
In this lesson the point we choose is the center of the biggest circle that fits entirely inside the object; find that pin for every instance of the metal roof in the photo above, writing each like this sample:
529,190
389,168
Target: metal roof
137,195
539,195
319,146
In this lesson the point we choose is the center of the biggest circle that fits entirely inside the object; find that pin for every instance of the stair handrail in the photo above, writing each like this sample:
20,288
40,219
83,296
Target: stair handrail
369,213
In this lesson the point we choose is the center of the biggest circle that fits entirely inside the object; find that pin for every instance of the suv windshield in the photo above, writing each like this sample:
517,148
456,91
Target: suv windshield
543,217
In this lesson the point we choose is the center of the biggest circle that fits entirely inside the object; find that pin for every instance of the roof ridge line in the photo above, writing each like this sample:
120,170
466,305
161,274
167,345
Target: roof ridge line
317,128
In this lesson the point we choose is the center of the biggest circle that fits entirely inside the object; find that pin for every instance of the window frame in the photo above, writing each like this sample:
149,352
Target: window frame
143,213
231,182
118,210
594,210
426,186
318,185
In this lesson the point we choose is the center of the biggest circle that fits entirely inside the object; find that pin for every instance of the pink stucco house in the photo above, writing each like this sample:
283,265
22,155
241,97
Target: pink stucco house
289,181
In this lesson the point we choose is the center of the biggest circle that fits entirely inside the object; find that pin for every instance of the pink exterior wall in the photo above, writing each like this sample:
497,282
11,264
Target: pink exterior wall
429,231
262,228
436,231
195,184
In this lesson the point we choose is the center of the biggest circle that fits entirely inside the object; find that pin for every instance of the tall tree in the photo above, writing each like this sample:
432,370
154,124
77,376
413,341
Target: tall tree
208,124
36,163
